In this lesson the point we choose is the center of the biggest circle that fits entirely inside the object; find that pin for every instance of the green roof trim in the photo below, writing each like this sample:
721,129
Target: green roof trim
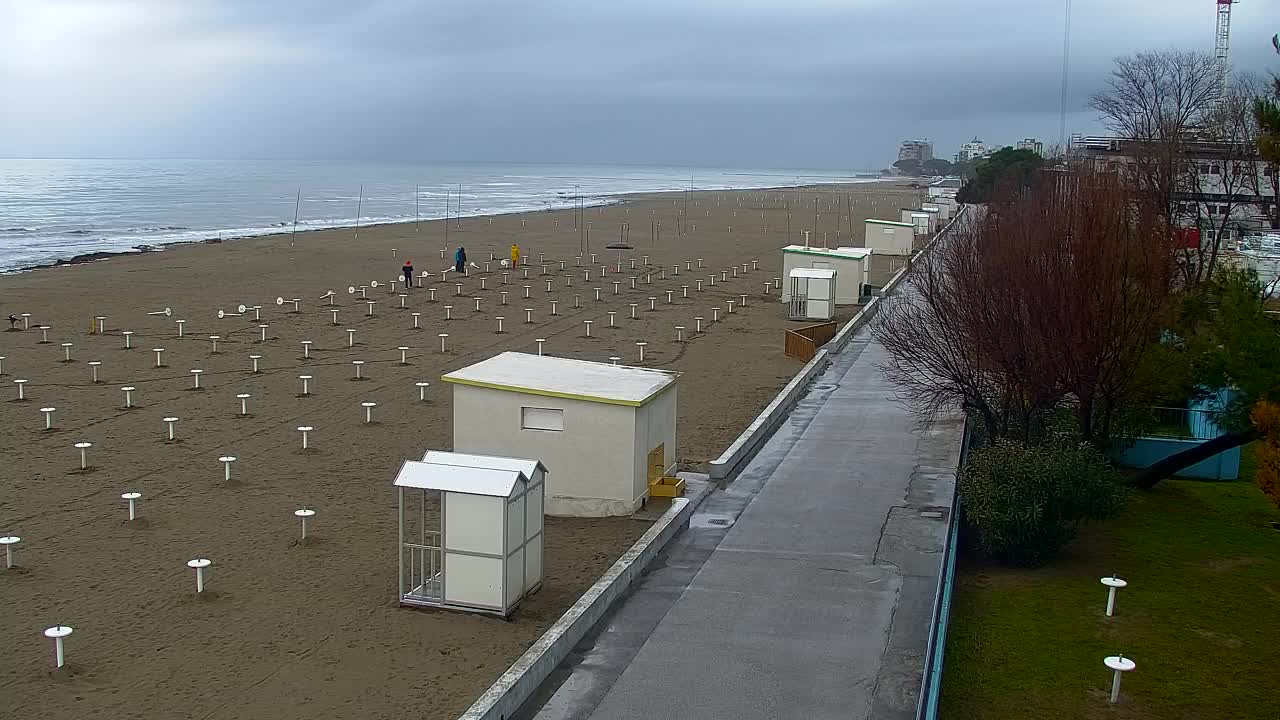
890,222
826,253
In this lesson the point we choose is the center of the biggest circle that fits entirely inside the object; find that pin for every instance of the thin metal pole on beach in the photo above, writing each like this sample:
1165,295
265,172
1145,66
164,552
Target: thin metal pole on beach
685,221
297,204
415,208
458,206
359,209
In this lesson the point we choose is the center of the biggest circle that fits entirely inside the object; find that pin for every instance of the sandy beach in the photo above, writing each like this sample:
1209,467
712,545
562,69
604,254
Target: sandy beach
294,630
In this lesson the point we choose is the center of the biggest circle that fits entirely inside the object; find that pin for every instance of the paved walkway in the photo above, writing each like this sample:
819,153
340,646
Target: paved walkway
803,590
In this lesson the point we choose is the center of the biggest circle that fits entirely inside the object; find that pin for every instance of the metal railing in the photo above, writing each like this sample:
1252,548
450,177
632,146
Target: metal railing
425,579
927,705
1184,423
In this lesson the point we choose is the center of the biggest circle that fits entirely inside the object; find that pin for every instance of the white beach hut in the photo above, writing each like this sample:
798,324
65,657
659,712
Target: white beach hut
922,220
943,210
887,237
812,294
852,268
485,552
608,430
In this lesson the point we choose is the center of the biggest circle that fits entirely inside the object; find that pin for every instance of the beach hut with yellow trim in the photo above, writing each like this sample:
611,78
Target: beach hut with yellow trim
609,431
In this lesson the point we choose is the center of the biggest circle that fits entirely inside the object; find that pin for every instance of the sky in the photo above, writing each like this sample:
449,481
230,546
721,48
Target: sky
712,83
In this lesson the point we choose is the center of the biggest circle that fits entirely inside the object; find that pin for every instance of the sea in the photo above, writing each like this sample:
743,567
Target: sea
57,210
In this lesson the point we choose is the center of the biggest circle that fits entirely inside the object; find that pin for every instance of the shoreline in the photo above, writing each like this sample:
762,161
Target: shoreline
597,201
343,578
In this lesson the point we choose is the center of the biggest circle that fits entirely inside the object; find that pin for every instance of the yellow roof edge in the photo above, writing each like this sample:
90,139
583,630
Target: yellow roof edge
563,396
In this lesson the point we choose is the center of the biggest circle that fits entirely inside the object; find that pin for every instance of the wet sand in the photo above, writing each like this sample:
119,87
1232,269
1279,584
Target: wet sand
292,630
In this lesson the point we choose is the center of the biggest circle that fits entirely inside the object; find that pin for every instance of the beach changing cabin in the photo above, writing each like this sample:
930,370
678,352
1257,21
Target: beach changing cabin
851,265
484,552
887,237
811,293
606,430
922,220
943,210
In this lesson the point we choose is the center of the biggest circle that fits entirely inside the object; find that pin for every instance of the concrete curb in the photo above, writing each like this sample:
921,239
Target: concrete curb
767,421
522,679
850,328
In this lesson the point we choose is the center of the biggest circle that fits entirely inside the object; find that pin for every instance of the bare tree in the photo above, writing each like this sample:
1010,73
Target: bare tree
1221,174
1049,301
1157,103
1192,146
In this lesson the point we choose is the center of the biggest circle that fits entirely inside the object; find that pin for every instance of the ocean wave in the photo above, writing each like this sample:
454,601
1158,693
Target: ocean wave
157,228
241,213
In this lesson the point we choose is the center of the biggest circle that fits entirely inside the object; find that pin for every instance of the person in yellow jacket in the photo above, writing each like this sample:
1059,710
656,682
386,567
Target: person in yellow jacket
515,254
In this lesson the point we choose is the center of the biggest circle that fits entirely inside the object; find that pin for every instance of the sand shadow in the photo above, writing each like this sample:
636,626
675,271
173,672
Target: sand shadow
208,596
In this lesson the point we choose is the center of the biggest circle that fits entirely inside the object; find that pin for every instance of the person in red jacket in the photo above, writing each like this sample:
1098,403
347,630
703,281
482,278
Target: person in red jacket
408,274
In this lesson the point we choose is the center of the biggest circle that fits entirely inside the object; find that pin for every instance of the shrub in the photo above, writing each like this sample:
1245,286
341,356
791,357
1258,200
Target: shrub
1026,502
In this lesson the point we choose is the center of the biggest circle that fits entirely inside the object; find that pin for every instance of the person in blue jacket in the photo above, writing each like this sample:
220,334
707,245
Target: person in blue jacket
460,260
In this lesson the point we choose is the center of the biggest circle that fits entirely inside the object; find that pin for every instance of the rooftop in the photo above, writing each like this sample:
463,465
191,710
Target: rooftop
490,462
888,222
458,478
847,252
813,273
565,378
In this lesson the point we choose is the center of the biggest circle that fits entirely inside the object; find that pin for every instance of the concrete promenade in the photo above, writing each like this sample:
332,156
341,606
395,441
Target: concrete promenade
802,590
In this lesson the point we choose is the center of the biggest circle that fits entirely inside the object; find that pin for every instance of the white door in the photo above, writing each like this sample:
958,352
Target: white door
819,304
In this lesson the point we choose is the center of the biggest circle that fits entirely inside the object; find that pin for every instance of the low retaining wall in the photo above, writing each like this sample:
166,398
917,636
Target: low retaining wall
519,682
767,421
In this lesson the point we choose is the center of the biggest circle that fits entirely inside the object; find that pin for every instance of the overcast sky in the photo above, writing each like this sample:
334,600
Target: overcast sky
737,83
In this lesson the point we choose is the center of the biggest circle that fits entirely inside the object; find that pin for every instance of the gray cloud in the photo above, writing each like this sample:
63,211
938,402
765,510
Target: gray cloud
814,83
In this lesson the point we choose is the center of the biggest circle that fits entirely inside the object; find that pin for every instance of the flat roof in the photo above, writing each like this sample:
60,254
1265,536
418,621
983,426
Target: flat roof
491,462
459,479
888,222
851,253
821,273
565,378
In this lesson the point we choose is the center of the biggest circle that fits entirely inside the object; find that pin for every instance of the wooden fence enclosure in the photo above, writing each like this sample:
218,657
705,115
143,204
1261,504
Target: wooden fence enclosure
803,343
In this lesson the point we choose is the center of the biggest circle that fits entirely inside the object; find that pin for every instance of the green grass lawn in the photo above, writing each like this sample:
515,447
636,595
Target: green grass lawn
1201,616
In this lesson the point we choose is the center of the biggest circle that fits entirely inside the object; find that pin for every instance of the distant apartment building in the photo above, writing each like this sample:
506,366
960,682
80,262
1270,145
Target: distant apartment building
972,150
1031,144
920,151
1221,187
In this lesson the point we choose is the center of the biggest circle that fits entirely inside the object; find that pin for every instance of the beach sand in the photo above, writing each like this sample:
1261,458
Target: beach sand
291,630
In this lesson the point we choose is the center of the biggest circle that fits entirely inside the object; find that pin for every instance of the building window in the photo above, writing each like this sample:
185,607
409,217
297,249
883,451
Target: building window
533,418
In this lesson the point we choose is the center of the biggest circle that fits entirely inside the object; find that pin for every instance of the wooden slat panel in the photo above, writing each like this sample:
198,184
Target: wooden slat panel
798,346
